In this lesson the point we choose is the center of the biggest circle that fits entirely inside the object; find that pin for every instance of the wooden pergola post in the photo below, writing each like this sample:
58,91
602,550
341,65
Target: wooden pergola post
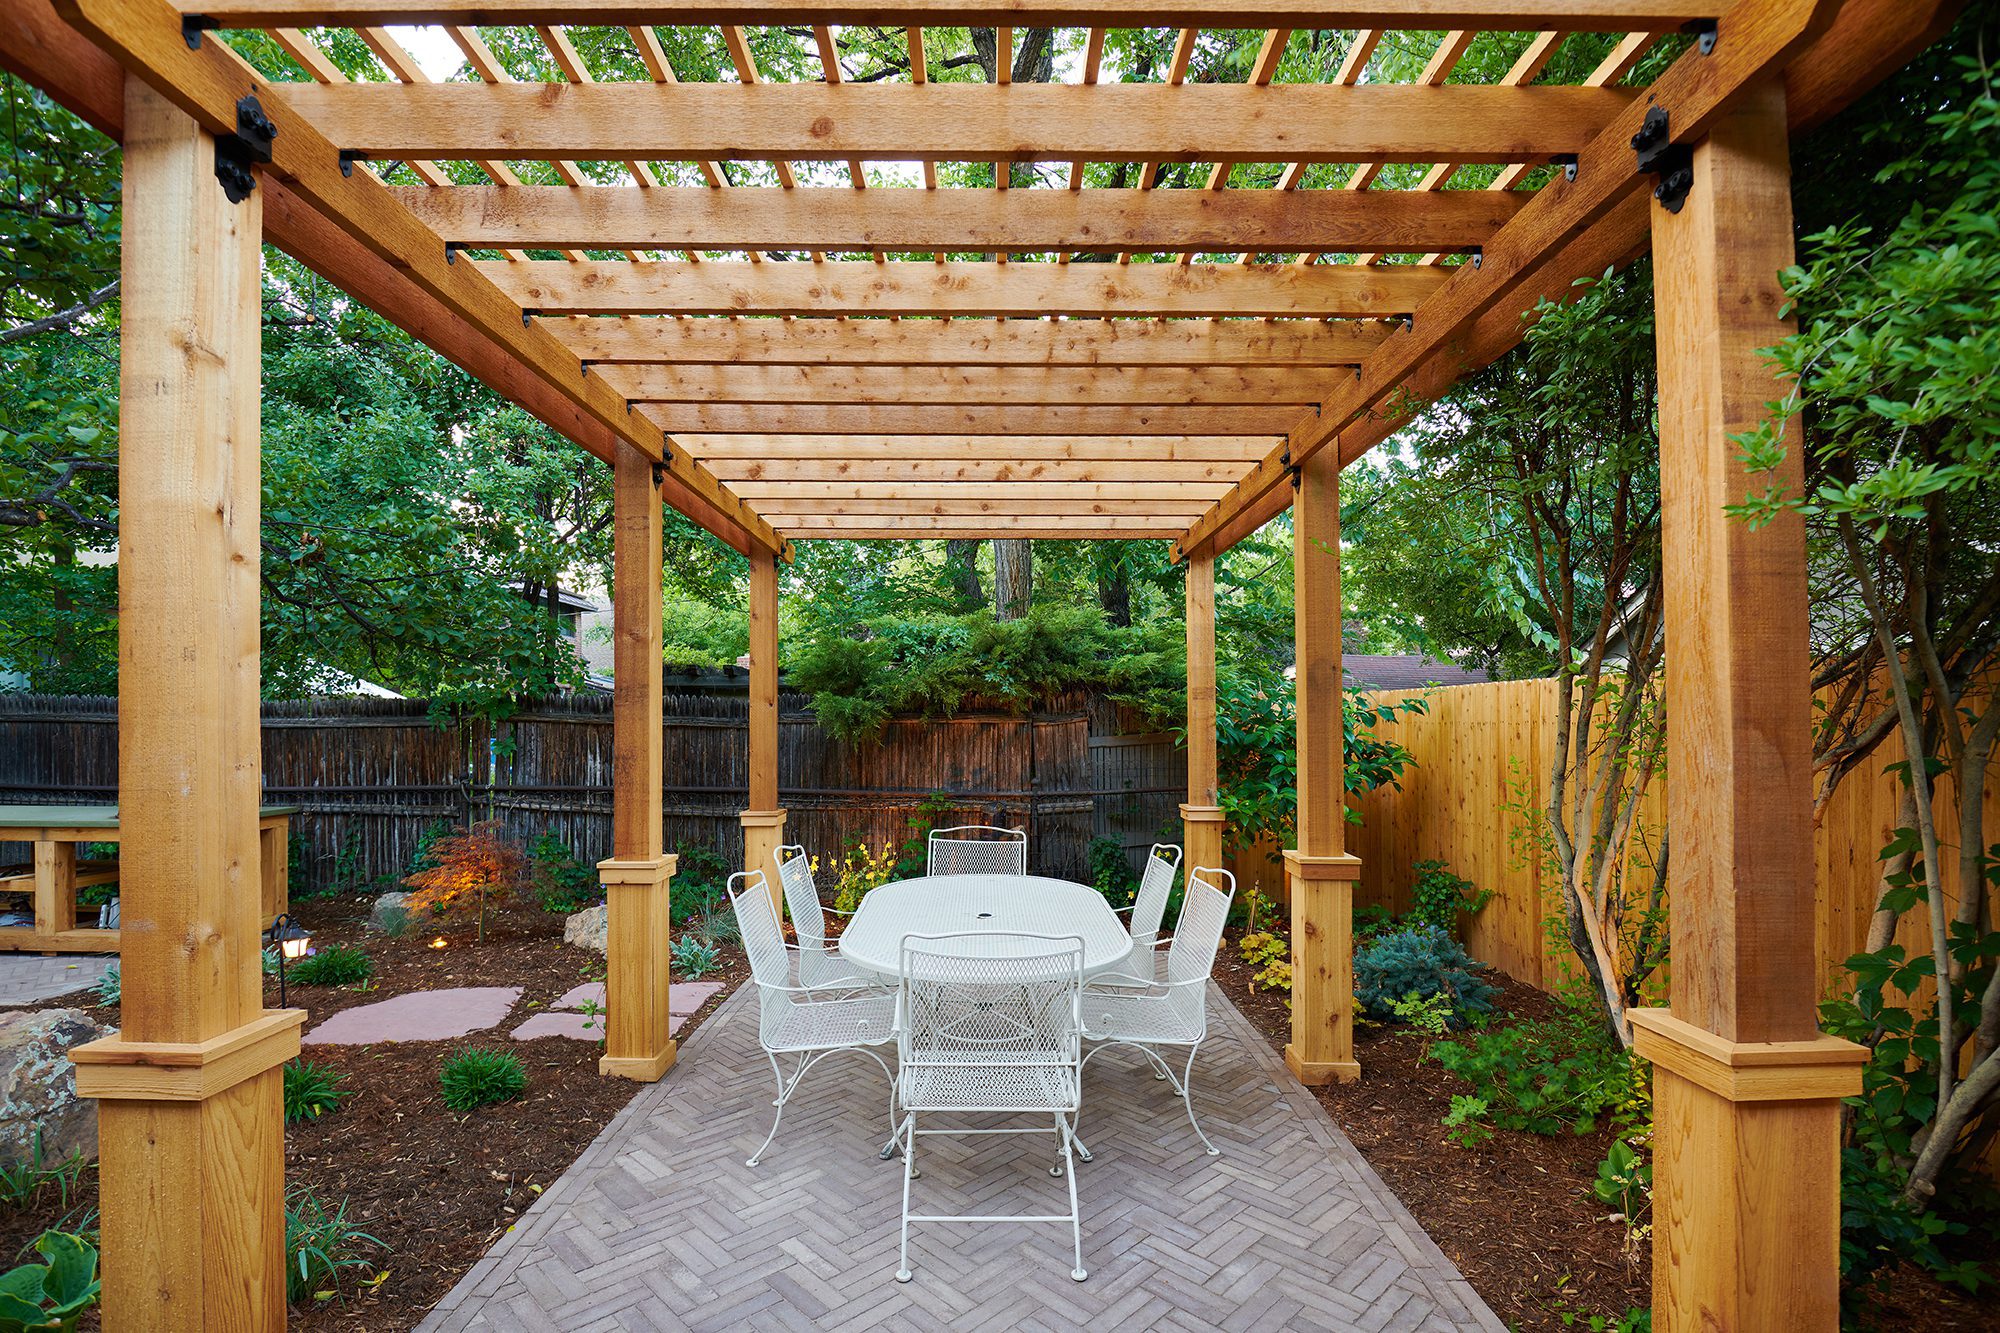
764,820
1746,1090
191,1136
1201,816
1319,872
637,877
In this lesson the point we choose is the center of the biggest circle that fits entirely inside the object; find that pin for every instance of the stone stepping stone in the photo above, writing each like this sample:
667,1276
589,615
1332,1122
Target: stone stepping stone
561,1020
433,1015
572,1025
683,997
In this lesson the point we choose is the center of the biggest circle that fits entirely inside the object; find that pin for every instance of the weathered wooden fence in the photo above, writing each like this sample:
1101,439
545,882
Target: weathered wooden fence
374,774
1481,779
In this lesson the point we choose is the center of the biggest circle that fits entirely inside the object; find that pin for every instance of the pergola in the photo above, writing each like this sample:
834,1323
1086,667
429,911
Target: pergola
1191,395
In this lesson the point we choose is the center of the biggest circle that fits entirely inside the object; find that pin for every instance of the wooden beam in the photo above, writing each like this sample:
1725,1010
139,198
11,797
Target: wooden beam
145,36
1764,34
638,1041
780,508
864,419
1319,873
1501,15
696,218
189,771
918,342
1170,494
932,470
1747,1199
1001,448
1066,527
608,287
945,122
994,385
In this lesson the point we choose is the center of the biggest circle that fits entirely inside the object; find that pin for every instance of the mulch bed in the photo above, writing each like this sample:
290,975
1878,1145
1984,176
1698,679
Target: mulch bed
1516,1214
434,1186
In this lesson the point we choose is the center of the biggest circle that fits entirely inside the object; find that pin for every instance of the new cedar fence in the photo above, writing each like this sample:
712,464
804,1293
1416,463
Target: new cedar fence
1481,776
374,774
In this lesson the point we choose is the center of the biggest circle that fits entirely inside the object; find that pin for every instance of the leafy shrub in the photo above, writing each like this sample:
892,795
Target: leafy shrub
335,965
310,1090
1271,954
1442,897
700,879
1465,1123
1624,1184
860,871
110,988
1111,872
560,882
54,1294
694,958
1370,921
721,928
1420,962
322,1244
1545,1076
476,864
1430,1015
476,1077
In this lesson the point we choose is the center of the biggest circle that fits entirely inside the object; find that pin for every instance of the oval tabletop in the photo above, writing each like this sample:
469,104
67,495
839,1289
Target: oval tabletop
1013,904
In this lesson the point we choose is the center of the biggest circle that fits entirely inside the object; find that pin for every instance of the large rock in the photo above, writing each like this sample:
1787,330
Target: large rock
390,914
589,928
38,1084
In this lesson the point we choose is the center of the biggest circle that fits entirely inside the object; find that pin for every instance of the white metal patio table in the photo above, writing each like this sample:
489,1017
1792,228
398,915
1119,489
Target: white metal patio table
872,944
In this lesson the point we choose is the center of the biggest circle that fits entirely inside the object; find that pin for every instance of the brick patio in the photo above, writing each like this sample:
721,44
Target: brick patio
660,1225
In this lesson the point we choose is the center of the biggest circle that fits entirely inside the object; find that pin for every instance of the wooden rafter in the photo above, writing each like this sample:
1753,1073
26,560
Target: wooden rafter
973,342
1225,386
607,217
616,287
1135,122
991,448
903,419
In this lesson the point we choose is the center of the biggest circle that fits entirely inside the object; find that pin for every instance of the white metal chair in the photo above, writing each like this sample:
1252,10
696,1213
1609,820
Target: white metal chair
808,1021
820,963
988,1022
988,851
1149,909
1145,1014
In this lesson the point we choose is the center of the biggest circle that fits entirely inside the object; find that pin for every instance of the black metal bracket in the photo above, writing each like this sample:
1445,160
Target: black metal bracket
1476,256
348,157
193,26
1705,32
451,249
659,473
236,153
584,366
1670,163
527,318
1407,323
1567,161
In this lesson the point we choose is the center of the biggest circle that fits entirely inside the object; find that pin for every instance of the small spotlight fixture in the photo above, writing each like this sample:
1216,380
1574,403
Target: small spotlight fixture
293,942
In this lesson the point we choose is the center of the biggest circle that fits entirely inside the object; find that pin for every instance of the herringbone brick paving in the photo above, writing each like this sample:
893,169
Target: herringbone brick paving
661,1226
27,978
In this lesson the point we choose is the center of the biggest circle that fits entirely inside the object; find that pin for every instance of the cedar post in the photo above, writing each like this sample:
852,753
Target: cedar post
1319,873
764,820
637,877
1201,816
190,1132
1746,1090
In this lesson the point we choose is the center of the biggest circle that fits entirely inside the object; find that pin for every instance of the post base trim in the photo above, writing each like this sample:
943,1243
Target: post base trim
1319,1073
638,1068
645,870
1825,1068
176,1071
763,818
1340,866
1202,814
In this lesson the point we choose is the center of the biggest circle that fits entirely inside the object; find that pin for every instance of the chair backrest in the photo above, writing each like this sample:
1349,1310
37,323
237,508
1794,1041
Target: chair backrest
990,999
1197,936
764,943
795,873
978,849
1149,909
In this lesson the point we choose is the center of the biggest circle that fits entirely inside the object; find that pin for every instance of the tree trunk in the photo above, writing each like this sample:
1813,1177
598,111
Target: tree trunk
1114,595
1013,577
963,555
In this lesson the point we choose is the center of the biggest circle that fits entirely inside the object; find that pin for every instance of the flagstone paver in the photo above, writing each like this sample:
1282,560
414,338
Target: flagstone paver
660,1225
683,997
27,978
431,1015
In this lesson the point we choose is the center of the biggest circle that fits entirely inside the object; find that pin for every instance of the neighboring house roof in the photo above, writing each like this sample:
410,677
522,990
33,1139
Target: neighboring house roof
567,600
1369,671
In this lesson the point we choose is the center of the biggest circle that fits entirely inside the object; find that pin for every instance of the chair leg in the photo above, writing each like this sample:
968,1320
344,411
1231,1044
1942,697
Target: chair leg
1187,1100
909,1171
1079,1273
784,1093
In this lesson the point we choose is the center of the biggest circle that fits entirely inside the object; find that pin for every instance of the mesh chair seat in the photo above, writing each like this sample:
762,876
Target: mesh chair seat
825,970
988,1087
1148,1019
819,1025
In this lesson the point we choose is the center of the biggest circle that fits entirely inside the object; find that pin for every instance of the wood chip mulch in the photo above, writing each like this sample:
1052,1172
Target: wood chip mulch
1516,1214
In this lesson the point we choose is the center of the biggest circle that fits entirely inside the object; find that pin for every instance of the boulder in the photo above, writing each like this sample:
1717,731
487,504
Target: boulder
390,914
38,1085
589,928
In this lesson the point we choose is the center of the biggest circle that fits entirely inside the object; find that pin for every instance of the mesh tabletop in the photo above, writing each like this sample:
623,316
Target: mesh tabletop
1001,904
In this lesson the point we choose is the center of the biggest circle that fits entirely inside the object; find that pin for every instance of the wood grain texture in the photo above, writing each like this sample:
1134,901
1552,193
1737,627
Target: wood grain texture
838,287
948,470
947,122
1035,221
1021,386
987,448
763,687
951,420
1739,721
1199,343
